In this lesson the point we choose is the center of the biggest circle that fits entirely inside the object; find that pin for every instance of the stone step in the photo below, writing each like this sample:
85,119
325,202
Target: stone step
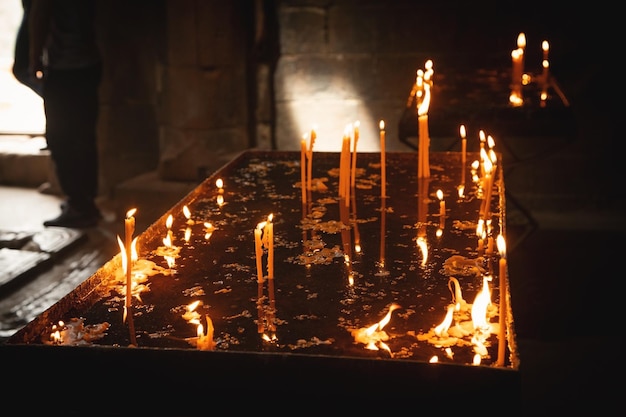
23,163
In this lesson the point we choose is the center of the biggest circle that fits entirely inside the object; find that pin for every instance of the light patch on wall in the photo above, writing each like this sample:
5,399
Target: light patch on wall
328,112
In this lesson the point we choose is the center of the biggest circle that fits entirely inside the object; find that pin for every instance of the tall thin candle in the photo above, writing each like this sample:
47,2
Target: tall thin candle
270,250
354,154
303,158
383,161
129,228
500,242
463,134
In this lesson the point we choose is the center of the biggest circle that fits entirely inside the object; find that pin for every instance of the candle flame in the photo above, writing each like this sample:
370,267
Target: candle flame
480,305
130,213
545,46
381,125
440,195
133,252
442,329
374,336
186,212
521,40
169,221
501,244
421,243
219,183
423,108
462,131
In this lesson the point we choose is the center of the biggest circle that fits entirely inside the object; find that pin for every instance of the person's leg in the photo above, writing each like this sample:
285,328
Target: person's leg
71,106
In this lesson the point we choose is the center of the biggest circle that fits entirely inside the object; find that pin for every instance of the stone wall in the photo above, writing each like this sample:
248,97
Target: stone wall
191,83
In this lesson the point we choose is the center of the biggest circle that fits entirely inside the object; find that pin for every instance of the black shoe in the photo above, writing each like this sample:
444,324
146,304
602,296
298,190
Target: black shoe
74,219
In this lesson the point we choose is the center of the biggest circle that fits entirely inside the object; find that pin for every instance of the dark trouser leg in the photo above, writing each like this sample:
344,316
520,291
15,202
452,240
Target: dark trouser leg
71,107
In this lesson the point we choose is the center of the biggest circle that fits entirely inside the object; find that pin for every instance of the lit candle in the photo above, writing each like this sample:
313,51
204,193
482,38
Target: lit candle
258,246
354,153
502,276
312,138
463,134
423,168
442,204
187,214
270,250
383,162
545,64
517,56
303,168
219,183
129,227
258,249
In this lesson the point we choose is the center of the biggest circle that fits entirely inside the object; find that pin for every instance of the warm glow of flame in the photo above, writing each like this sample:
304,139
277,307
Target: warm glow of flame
490,141
462,131
421,243
187,234
186,212
442,329
425,104
130,213
167,240
545,46
477,359
501,244
373,336
133,252
521,40
449,353
440,194
190,315
515,100
219,183
169,221
434,359
480,228
220,200
480,305
461,190
381,125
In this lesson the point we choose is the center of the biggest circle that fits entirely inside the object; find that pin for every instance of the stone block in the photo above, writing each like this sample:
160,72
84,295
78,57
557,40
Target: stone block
182,29
194,98
188,155
303,30
221,34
